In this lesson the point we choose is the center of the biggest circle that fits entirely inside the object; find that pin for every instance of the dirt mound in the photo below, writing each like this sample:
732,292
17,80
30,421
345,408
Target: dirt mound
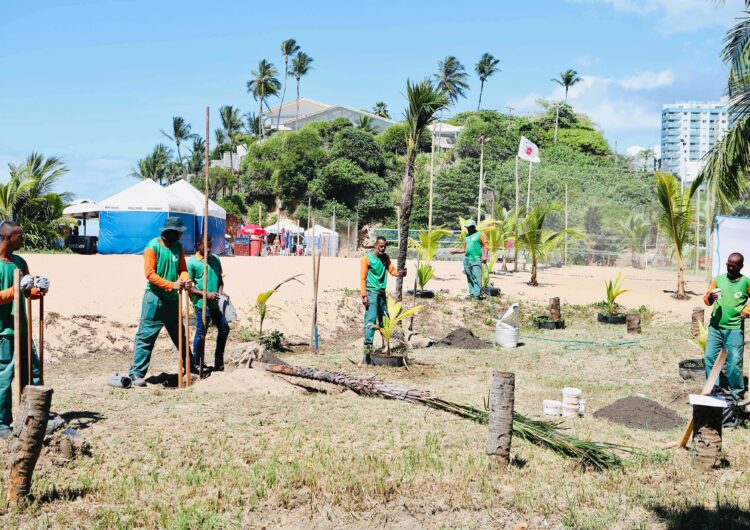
79,335
640,413
246,381
463,338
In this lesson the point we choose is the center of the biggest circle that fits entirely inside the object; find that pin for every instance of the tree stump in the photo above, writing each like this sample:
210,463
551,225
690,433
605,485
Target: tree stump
502,391
554,309
697,320
633,321
707,436
28,438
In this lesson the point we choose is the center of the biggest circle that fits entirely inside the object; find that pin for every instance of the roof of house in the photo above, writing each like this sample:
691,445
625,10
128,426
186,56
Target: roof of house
345,107
293,104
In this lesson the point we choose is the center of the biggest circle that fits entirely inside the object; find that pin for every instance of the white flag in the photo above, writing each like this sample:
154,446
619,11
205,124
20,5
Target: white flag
527,150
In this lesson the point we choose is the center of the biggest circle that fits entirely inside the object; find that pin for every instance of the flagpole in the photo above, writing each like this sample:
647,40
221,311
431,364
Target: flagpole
432,177
528,192
481,179
517,196
565,260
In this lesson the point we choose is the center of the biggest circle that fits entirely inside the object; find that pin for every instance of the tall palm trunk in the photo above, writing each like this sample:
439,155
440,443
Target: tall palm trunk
481,89
680,277
260,118
407,200
533,270
296,117
179,156
283,92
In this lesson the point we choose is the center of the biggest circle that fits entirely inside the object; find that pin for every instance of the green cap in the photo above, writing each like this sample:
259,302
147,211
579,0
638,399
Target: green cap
174,223
469,223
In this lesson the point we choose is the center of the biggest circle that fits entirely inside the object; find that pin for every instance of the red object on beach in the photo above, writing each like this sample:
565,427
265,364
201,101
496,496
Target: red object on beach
252,230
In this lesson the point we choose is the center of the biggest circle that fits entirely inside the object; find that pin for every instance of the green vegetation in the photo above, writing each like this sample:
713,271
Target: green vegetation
393,319
614,289
676,216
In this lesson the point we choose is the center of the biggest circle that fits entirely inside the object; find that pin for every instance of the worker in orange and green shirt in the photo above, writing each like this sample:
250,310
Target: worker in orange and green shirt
11,239
166,272
728,294
475,254
372,283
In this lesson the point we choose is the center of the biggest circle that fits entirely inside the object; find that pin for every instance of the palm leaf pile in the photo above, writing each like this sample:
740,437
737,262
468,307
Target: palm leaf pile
590,454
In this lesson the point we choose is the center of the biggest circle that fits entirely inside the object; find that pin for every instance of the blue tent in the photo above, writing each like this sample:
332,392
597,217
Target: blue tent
217,216
132,218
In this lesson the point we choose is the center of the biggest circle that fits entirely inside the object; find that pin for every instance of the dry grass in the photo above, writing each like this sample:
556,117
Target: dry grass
178,459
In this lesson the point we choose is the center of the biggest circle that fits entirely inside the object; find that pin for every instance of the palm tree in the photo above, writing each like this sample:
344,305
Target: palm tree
252,124
381,109
567,79
180,133
288,48
197,162
676,215
425,100
536,239
451,79
634,231
301,65
232,125
264,84
154,166
366,124
485,68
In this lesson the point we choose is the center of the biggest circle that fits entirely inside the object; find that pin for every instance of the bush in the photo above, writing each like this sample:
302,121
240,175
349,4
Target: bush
393,140
360,147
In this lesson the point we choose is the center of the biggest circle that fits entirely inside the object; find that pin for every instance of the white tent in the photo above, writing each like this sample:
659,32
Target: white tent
85,208
284,224
732,234
318,230
130,219
326,240
186,191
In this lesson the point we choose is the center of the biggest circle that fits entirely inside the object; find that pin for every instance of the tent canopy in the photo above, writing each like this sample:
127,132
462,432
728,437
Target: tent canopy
319,230
732,234
284,224
82,208
147,196
189,193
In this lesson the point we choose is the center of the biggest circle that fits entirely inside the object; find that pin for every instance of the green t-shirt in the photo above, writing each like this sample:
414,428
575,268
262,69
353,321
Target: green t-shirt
195,270
167,266
731,301
377,273
473,246
7,311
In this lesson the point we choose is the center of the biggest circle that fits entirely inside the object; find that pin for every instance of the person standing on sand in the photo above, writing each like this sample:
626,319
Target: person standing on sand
166,272
372,284
215,288
475,254
728,294
11,239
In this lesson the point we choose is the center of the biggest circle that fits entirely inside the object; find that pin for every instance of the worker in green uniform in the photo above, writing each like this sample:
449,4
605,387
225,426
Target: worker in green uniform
372,284
728,294
214,289
475,254
11,239
166,275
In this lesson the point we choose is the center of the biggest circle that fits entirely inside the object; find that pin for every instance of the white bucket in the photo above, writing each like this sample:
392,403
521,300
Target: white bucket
506,336
571,396
581,407
552,407
570,411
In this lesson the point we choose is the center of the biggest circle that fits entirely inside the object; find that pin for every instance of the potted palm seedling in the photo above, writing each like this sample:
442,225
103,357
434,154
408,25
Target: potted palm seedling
392,321
426,247
611,314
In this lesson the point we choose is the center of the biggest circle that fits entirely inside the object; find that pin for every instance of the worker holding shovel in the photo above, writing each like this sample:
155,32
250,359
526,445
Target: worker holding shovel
11,239
372,284
166,272
728,294
215,288
475,254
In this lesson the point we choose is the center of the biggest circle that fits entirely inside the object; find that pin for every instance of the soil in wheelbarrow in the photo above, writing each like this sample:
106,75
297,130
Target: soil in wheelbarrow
640,413
463,338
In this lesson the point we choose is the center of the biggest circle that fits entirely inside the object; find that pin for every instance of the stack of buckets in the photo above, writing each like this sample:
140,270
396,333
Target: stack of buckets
571,405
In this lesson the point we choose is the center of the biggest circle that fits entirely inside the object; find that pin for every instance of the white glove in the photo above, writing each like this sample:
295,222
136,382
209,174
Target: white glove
41,283
27,282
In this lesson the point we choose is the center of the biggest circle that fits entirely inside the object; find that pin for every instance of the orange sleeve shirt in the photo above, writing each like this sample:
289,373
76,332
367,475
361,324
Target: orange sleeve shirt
482,240
364,267
149,260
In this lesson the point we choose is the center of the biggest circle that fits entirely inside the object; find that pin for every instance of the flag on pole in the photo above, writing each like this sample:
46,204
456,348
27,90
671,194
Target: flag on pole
527,150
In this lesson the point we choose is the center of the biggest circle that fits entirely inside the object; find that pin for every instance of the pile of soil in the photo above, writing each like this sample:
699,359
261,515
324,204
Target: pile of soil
463,338
640,413
246,381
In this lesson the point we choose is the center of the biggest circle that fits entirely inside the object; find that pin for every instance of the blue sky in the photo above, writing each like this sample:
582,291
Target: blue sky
95,81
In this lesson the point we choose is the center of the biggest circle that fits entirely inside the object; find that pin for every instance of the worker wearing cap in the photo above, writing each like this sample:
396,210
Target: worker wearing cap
372,284
475,254
11,239
166,272
214,289
728,294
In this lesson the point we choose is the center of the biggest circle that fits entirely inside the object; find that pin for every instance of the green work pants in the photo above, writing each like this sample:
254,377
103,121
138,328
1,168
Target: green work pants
473,271
732,340
374,313
156,313
7,373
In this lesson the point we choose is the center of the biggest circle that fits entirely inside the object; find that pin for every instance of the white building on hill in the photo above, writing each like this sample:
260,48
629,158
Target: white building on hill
446,134
314,111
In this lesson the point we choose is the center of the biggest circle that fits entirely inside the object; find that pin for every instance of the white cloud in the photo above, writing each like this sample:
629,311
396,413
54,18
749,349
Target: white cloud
675,16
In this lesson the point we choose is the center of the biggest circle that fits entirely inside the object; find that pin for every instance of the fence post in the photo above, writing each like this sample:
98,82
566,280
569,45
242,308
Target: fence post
502,393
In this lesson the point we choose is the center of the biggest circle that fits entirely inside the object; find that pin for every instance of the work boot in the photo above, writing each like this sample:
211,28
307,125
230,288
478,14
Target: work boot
366,354
137,381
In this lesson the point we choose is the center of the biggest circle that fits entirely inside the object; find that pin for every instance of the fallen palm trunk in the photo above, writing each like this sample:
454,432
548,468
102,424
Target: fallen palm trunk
598,455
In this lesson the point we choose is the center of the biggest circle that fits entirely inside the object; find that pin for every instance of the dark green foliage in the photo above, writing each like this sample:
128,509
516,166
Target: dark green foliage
393,140
360,147
456,192
234,205
328,129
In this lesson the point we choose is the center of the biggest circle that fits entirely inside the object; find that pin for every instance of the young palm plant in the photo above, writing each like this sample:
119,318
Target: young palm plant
675,218
614,289
427,247
537,240
496,241
393,319
261,302
425,100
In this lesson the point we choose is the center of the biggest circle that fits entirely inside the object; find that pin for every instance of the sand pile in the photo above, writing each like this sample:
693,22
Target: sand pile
640,413
246,381
83,335
463,338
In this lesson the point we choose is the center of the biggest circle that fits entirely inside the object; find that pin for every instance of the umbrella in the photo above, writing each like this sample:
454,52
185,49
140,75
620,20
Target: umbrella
252,230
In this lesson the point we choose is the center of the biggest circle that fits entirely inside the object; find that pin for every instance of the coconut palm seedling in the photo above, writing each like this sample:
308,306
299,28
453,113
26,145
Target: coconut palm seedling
675,218
614,289
427,247
393,319
496,240
261,302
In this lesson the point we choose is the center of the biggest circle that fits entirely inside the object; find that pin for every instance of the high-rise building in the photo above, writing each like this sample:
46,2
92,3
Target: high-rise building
688,131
